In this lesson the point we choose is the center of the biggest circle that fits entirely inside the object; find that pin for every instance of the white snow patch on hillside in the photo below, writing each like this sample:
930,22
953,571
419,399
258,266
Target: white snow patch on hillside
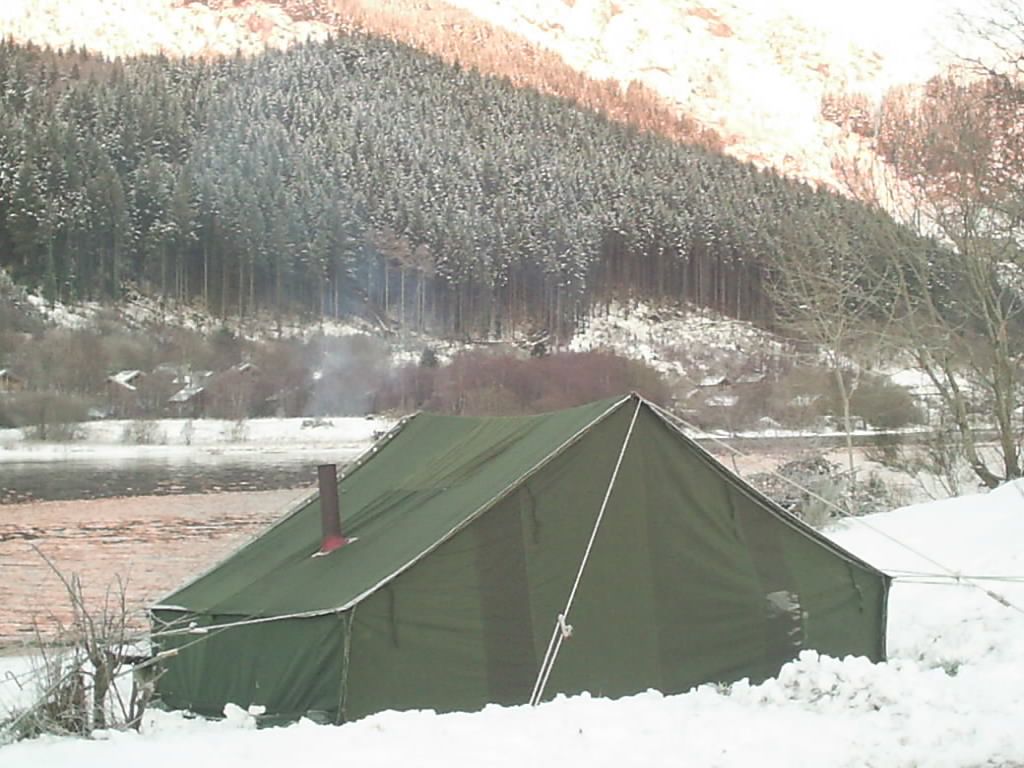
950,695
62,315
141,312
172,27
682,342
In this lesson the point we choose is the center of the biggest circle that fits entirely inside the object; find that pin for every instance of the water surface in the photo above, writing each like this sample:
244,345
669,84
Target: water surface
73,479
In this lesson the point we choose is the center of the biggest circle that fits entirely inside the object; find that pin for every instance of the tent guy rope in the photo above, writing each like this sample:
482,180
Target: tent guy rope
562,628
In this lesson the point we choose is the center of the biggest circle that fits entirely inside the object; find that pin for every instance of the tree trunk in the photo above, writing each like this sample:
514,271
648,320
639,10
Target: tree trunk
206,274
844,396
401,306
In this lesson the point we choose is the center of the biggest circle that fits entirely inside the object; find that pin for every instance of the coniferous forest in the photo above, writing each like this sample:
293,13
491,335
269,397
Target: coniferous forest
363,176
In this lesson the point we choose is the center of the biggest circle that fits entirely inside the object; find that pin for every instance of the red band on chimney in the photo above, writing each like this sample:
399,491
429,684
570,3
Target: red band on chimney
331,543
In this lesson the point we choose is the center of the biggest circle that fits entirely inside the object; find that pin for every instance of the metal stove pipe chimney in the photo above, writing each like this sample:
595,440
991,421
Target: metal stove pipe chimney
330,513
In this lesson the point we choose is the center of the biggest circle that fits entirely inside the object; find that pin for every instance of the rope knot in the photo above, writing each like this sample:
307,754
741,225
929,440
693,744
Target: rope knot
565,628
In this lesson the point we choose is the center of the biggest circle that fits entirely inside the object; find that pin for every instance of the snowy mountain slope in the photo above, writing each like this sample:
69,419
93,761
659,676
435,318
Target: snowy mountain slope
950,695
172,27
753,73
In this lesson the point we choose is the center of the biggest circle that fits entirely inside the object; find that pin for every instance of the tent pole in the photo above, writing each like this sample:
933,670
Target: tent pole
349,618
562,628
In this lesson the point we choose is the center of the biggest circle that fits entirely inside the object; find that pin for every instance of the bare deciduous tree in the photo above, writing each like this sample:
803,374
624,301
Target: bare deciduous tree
830,294
958,154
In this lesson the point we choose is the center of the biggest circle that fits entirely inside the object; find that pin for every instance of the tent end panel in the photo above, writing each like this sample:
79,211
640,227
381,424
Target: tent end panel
290,668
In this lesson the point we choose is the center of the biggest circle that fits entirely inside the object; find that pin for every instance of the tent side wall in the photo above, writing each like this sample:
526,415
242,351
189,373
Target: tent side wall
692,579
841,599
468,624
738,588
293,667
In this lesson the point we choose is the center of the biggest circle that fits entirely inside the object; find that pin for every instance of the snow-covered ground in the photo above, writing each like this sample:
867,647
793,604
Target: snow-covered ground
190,439
952,693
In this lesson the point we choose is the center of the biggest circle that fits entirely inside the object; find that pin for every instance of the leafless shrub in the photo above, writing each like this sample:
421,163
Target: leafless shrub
78,668
48,416
479,382
937,455
142,432
818,491
237,431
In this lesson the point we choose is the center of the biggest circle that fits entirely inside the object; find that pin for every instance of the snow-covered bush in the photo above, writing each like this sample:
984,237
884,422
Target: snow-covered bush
817,490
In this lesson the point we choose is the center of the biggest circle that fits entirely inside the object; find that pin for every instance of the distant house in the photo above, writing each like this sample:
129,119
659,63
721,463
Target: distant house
232,394
190,399
189,402
718,380
745,379
9,382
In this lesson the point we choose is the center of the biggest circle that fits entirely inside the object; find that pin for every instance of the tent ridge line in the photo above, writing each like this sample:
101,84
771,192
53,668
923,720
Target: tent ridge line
292,509
487,505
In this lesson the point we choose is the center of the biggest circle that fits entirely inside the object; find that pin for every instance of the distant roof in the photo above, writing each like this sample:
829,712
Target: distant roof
186,393
419,486
713,381
126,379
750,378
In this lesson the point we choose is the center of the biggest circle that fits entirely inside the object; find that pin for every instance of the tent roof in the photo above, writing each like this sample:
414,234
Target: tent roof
412,491
418,487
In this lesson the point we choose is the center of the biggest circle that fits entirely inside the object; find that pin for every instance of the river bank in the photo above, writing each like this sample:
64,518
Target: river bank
114,458
127,439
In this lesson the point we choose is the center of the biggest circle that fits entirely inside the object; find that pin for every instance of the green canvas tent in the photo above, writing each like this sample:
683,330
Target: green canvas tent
510,559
